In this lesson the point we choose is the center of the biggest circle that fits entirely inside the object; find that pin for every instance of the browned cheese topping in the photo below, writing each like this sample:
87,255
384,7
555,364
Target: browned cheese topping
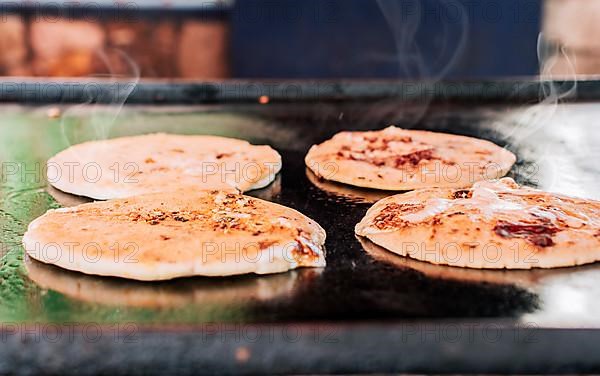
539,234
304,251
507,210
536,228
229,212
462,193
156,216
233,212
390,216
379,151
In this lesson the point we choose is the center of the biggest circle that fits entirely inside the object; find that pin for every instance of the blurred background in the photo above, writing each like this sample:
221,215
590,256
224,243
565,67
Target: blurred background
210,40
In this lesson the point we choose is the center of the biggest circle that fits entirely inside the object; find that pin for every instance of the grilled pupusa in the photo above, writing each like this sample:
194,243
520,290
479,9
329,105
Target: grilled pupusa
176,234
128,166
495,224
399,159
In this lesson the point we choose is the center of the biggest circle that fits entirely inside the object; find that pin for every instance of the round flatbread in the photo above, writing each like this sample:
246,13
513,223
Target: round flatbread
128,166
399,159
177,234
492,225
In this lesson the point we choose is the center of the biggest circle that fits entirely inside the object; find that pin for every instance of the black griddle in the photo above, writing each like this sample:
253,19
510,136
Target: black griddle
368,311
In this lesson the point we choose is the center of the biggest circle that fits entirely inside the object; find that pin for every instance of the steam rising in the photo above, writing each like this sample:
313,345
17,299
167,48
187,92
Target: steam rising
104,97
405,24
526,129
405,19
533,118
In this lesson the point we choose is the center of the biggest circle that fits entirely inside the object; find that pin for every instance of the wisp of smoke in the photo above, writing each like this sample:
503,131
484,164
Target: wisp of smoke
534,117
523,127
405,19
104,98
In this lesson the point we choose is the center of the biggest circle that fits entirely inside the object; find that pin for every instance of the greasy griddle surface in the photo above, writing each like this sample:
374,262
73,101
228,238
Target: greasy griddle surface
355,285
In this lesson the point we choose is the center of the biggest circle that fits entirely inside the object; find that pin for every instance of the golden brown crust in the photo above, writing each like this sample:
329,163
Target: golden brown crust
127,166
399,159
181,233
492,225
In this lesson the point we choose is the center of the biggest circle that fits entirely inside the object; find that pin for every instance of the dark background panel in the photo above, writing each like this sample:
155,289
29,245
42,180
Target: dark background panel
413,39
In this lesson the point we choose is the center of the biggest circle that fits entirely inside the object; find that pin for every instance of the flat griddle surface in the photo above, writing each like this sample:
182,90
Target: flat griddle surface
557,149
